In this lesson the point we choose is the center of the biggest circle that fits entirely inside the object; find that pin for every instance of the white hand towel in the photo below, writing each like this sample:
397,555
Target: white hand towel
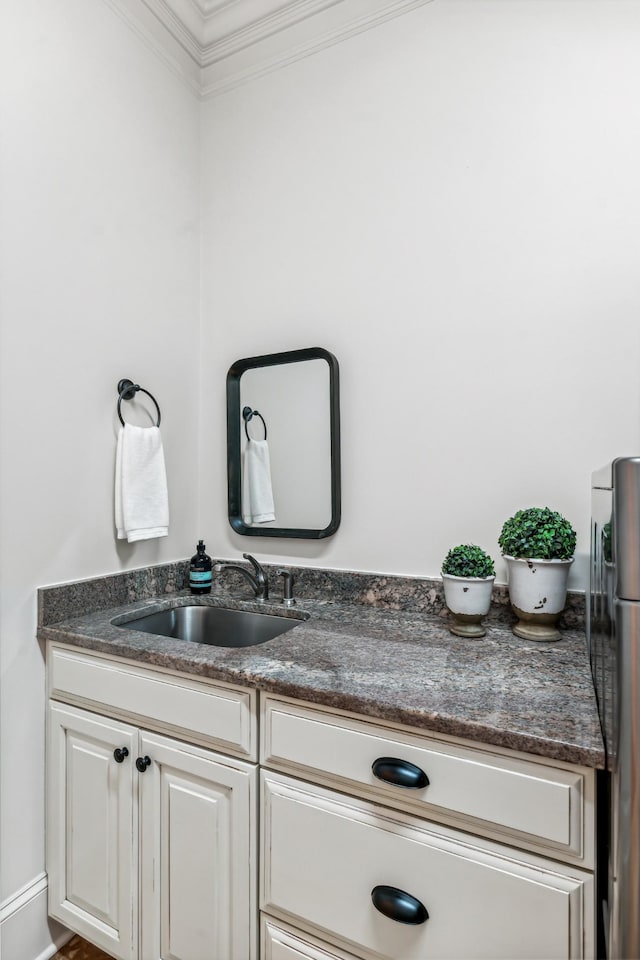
257,492
141,497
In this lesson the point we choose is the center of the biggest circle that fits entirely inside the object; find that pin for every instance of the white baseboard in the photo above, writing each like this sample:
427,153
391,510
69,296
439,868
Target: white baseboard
53,949
26,932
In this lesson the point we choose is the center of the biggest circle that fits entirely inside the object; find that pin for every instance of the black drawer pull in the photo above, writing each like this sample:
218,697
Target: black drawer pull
398,905
399,772
120,753
142,763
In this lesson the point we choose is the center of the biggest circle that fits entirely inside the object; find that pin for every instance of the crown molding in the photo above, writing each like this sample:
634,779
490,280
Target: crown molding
229,32
300,39
216,45
146,26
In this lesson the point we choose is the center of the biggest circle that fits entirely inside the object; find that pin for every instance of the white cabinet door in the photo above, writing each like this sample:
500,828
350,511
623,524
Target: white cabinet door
198,873
92,827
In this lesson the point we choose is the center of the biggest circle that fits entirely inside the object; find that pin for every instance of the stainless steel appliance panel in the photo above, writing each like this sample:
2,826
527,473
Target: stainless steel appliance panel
624,874
626,527
613,634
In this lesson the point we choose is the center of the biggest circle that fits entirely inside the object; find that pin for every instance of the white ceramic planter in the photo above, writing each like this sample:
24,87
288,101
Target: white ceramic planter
468,600
538,593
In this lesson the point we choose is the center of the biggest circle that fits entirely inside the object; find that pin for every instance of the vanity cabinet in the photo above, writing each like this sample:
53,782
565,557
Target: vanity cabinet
488,855
378,841
150,838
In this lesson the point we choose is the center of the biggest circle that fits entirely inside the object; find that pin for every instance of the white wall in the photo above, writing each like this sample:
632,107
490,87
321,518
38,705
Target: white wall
449,203
99,253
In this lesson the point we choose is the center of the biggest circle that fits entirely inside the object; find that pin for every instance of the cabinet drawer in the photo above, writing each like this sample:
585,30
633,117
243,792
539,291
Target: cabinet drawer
280,942
199,710
543,807
323,855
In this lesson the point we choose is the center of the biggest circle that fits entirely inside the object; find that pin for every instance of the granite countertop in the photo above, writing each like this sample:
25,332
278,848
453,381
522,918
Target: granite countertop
394,665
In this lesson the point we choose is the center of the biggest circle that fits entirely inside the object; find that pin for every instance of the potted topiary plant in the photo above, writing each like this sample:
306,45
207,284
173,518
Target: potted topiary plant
467,576
538,545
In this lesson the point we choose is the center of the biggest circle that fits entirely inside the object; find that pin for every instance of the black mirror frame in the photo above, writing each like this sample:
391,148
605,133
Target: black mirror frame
234,481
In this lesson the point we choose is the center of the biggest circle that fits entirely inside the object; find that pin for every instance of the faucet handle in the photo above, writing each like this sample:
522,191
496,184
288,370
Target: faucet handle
262,588
288,582
254,563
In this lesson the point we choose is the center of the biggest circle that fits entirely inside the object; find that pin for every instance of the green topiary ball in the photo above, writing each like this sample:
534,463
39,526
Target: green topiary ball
467,560
539,533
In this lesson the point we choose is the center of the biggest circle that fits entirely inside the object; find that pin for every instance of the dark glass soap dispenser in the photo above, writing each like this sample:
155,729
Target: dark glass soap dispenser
200,571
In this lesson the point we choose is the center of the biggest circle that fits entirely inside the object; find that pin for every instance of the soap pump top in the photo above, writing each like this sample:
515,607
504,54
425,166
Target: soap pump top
200,570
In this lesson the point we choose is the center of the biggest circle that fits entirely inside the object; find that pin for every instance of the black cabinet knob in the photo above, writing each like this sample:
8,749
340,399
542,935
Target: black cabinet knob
142,763
398,905
400,773
120,753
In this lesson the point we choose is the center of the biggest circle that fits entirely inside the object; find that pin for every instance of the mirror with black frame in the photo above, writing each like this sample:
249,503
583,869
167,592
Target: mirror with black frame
283,445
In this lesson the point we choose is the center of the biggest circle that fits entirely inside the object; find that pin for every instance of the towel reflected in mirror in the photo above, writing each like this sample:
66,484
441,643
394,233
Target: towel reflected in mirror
257,490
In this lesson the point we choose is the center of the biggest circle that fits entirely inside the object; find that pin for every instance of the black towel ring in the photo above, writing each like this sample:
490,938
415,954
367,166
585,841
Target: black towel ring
247,414
127,390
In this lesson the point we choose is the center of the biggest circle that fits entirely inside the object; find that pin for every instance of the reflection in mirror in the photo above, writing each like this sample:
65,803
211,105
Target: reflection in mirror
293,401
284,445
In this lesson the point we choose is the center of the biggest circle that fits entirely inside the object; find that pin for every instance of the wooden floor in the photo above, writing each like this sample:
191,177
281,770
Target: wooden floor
78,949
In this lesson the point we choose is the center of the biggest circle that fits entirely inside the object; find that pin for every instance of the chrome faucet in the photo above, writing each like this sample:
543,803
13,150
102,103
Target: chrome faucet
258,581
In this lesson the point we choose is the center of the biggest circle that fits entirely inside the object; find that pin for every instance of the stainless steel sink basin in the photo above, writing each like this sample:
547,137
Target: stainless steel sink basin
217,626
